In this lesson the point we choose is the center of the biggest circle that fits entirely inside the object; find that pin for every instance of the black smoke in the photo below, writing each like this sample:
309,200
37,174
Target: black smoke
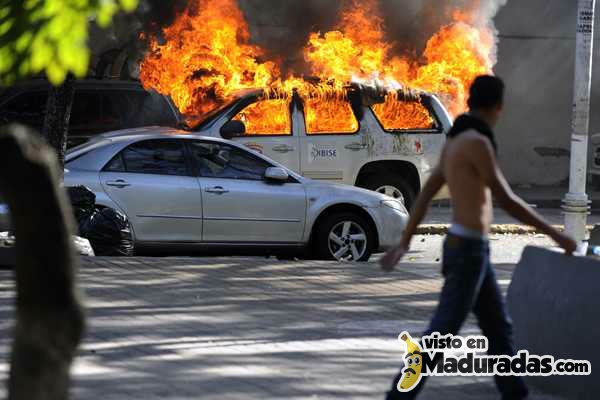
282,27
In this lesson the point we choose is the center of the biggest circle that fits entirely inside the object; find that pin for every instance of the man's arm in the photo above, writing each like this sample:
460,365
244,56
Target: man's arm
484,161
433,185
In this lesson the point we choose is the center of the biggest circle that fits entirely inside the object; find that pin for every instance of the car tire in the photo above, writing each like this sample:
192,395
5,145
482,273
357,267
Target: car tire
359,239
391,184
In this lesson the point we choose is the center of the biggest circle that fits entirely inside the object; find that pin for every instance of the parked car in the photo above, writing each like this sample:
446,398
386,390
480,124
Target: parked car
191,192
368,150
99,105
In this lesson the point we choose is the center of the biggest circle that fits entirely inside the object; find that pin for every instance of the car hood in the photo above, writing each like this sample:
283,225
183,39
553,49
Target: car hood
368,198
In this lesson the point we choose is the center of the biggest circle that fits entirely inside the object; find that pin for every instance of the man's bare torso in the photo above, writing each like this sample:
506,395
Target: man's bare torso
471,197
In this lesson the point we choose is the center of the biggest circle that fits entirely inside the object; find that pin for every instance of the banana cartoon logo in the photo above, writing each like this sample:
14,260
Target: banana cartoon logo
413,363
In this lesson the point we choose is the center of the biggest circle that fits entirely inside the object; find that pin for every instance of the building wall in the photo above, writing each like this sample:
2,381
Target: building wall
536,60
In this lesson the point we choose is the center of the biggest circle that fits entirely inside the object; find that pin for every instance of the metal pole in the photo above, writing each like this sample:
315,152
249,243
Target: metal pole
576,202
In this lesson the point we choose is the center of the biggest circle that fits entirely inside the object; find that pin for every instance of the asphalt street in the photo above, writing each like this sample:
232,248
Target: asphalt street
258,328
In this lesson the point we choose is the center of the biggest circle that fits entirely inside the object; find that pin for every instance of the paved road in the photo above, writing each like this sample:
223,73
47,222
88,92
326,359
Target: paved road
256,328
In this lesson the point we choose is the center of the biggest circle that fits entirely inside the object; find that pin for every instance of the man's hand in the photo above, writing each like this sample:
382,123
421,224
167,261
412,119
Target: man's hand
392,257
564,241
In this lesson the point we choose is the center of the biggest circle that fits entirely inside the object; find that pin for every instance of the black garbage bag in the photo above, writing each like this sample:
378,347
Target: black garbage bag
108,231
83,201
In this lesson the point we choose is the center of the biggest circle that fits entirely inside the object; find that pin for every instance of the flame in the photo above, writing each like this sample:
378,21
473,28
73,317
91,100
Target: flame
333,115
205,56
398,114
355,49
455,56
277,123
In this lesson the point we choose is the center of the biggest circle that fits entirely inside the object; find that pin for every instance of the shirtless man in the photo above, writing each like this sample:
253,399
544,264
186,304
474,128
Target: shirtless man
468,166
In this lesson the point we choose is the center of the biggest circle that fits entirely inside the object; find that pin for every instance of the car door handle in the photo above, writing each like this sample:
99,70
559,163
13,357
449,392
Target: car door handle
217,190
283,148
355,146
120,183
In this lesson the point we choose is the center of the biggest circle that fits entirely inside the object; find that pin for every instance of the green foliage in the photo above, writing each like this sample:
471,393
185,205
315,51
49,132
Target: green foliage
50,36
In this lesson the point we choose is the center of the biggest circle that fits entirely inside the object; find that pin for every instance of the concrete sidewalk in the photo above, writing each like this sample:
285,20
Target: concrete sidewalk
256,328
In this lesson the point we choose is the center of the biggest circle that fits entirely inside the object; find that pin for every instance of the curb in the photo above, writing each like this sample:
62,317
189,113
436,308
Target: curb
514,229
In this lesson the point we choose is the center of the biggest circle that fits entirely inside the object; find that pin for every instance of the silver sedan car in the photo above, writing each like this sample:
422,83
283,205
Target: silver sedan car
190,192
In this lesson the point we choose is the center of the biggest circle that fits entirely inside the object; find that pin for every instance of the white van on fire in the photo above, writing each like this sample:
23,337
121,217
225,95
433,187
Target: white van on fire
382,140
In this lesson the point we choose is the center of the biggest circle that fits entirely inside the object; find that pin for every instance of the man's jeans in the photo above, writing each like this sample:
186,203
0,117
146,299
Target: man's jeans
470,285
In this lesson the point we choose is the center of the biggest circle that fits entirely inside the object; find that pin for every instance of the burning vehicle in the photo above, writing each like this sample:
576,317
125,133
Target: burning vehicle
333,127
365,136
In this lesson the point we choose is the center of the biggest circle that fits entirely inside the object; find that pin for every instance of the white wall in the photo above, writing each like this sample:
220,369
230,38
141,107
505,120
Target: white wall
536,57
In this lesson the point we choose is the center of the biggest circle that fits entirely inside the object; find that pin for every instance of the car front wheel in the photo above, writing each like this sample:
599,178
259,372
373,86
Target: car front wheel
345,237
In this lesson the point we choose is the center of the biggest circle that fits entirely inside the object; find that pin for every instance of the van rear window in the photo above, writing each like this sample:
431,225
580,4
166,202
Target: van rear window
399,114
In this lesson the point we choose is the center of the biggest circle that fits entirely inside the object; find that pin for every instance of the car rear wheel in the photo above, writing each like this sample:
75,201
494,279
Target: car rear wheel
393,185
345,237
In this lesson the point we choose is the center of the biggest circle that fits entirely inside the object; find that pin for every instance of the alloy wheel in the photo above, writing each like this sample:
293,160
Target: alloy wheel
347,241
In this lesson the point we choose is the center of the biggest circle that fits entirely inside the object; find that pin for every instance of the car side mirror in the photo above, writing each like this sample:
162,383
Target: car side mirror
276,174
232,129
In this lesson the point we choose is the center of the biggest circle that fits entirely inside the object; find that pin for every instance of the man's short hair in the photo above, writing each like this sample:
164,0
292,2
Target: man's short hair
486,92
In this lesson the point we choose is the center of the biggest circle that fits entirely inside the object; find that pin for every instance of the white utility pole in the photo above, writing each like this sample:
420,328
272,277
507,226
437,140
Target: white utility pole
576,202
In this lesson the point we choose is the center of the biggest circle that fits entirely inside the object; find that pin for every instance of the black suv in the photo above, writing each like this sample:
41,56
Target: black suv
98,106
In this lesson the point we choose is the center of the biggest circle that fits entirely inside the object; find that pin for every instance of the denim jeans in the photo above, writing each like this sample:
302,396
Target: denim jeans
470,285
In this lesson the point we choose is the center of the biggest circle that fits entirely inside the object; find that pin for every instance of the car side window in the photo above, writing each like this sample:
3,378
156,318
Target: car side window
86,112
116,164
329,116
27,103
218,160
266,117
160,157
397,115
27,108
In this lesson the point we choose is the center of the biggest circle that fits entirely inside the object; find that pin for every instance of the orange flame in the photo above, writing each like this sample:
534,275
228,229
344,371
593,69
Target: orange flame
255,123
205,56
355,49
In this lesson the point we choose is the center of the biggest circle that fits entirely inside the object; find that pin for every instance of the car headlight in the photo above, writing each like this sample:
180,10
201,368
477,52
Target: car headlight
395,204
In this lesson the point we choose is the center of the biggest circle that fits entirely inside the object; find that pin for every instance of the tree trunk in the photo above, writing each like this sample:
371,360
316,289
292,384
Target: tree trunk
49,315
58,113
